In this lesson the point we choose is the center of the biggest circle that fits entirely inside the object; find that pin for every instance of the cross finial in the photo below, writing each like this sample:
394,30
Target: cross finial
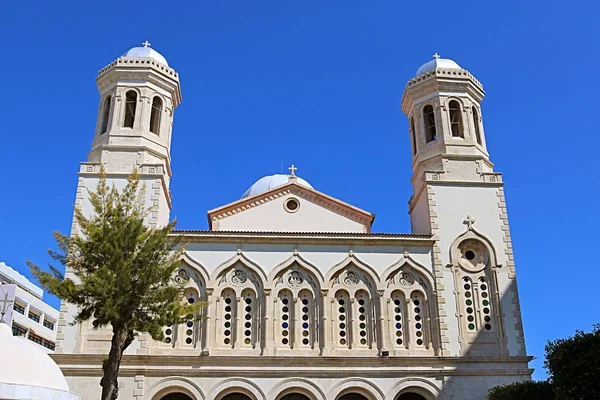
436,56
146,44
469,221
293,169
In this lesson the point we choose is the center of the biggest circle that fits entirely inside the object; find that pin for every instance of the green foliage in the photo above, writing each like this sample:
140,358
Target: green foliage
119,272
574,365
529,390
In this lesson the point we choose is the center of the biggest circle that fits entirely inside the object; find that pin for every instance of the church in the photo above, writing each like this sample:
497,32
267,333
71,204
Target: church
305,301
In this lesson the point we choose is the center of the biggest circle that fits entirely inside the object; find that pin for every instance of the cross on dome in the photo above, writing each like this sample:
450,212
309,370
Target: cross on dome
146,44
436,56
293,169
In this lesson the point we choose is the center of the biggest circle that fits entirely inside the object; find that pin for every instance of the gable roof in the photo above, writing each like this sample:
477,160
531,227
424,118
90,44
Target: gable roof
330,203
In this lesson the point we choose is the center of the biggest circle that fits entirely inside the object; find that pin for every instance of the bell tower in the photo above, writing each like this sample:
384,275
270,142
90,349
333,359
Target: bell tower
139,92
138,95
459,198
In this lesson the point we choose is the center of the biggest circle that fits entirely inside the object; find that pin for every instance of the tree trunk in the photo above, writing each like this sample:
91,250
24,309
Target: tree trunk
121,339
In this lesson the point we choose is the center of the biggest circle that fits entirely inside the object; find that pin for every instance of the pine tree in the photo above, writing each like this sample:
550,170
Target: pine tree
122,272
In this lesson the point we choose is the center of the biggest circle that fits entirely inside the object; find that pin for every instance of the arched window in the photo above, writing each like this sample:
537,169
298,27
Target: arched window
418,312
343,318
229,317
306,328
398,319
352,396
363,331
456,124
188,329
105,114
286,317
429,123
250,332
130,105
476,123
413,135
478,308
155,115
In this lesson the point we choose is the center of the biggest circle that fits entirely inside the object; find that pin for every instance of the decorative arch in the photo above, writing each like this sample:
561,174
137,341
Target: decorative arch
356,385
475,267
236,385
296,258
352,259
420,386
297,385
197,267
412,264
240,258
174,385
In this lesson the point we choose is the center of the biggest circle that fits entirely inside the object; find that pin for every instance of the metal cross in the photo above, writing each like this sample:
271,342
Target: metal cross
5,304
469,221
436,56
147,44
293,169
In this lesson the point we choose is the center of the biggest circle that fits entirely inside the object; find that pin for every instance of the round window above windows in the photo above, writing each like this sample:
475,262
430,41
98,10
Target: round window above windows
291,205
473,255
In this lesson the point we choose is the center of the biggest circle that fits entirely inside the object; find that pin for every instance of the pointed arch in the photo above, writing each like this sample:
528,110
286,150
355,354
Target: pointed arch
473,234
298,259
197,267
352,259
420,269
240,258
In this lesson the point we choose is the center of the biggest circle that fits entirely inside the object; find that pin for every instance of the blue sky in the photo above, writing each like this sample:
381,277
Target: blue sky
319,84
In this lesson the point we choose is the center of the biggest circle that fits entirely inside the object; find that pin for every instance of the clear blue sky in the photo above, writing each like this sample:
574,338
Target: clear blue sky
318,84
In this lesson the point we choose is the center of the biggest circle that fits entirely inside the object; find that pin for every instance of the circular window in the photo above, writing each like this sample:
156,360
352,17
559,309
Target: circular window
469,255
473,255
291,205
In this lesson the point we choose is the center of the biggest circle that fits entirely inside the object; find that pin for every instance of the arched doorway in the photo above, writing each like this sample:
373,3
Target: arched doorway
353,396
411,396
176,396
294,396
236,396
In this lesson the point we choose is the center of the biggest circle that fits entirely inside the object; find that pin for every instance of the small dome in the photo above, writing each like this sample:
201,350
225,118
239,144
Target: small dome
438,62
28,365
146,52
267,183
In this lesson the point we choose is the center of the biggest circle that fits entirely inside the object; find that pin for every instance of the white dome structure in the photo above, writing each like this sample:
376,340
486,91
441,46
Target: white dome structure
146,52
27,372
438,62
267,183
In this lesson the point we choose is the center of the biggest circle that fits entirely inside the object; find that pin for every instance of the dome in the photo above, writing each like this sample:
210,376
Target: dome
146,52
267,183
438,62
27,365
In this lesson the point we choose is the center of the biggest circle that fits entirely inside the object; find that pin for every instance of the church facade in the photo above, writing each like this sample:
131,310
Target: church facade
305,302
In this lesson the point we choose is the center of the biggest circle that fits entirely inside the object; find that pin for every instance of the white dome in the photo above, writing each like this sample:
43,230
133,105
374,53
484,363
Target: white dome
25,364
438,63
146,52
267,183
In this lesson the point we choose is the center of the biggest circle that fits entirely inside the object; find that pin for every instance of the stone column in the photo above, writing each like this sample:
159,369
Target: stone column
268,331
295,314
353,331
207,323
408,325
326,311
239,310
384,337
214,333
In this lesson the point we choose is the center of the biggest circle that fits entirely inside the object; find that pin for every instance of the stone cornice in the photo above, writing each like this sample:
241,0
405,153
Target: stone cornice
338,238
156,365
354,213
